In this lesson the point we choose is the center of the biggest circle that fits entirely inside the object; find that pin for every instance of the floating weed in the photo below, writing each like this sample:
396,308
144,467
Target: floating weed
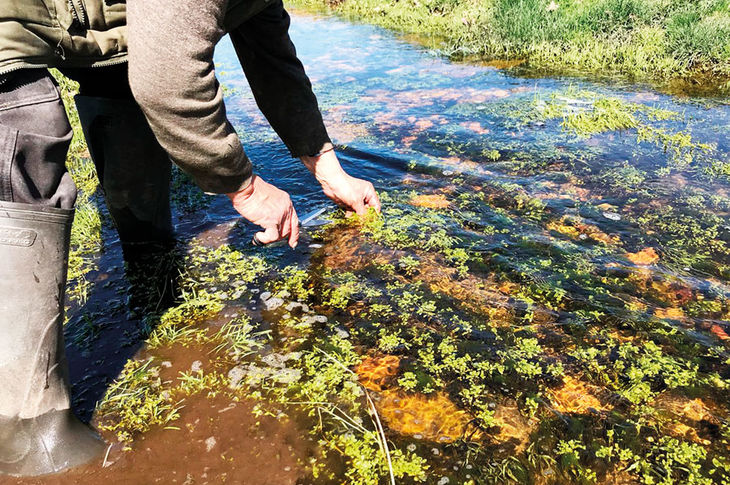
178,324
239,338
136,401
194,382
586,114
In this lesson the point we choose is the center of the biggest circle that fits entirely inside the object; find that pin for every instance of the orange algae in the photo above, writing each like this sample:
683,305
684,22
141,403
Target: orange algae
429,417
579,230
481,295
684,415
375,373
577,397
514,428
669,313
476,127
430,201
645,257
718,332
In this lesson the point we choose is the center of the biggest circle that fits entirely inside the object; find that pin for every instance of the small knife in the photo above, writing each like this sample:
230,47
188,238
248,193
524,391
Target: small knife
310,220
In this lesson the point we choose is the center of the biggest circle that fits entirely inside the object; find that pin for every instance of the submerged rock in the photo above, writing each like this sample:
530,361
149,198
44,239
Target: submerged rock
341,332
273,303
235,376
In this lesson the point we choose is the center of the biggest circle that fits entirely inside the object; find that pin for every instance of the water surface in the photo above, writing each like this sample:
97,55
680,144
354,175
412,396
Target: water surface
544,300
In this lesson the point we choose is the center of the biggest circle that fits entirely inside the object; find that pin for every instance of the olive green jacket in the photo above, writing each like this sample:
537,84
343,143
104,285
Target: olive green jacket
76,33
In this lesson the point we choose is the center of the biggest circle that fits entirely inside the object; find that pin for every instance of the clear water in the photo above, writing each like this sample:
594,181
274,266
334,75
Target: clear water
589,270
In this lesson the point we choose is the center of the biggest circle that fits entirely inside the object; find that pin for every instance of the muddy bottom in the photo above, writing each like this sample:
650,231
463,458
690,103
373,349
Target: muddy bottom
218,441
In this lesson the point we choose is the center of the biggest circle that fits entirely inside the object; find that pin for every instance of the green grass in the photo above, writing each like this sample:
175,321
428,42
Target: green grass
86,231
659,40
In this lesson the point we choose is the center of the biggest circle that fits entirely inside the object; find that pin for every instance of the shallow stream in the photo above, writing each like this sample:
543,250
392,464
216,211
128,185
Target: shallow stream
545,298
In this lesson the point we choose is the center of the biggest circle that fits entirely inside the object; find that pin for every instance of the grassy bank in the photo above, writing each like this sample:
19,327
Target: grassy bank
658,40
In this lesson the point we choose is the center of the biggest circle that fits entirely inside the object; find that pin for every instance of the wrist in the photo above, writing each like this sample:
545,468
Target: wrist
324,166
243,193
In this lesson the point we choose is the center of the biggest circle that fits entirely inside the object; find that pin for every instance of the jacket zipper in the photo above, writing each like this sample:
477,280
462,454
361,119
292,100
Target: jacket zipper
78,11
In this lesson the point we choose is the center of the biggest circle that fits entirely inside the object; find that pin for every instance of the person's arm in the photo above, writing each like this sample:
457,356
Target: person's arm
284,94
172,76
278,82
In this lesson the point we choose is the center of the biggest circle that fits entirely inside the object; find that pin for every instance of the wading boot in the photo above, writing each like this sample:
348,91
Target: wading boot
39,434
135,173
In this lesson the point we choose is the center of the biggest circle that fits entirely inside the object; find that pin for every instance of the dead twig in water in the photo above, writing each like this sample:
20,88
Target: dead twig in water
382,441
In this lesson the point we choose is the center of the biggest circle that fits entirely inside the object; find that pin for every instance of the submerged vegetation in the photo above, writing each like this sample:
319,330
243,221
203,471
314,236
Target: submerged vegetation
655,40
544,299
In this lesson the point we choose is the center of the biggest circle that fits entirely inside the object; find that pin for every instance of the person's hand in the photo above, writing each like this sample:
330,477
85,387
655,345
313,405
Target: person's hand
269,207
352,193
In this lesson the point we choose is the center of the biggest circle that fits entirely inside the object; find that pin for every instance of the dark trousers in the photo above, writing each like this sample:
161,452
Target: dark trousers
35,133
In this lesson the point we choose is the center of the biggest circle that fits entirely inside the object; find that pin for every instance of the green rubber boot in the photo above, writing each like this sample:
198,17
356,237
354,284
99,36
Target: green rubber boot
39,433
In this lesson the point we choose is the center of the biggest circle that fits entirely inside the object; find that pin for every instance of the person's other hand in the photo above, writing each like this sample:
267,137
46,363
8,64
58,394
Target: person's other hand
269,207
352,193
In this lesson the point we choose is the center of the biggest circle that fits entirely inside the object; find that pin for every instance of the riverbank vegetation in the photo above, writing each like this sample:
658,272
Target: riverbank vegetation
657,40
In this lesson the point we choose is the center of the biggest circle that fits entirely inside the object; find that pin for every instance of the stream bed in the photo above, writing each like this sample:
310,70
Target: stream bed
544,299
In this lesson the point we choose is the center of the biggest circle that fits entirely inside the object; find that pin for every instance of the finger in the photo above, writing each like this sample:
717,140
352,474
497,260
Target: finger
372,199
359,207
294,235
269,235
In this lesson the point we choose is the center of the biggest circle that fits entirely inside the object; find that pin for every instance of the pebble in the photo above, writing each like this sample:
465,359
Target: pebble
435,451
210,443
290,307
235,376
320,319
265,295
274,360
411,447
197,366
443,481
342,333
273,303
612,216
167,364
315,246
